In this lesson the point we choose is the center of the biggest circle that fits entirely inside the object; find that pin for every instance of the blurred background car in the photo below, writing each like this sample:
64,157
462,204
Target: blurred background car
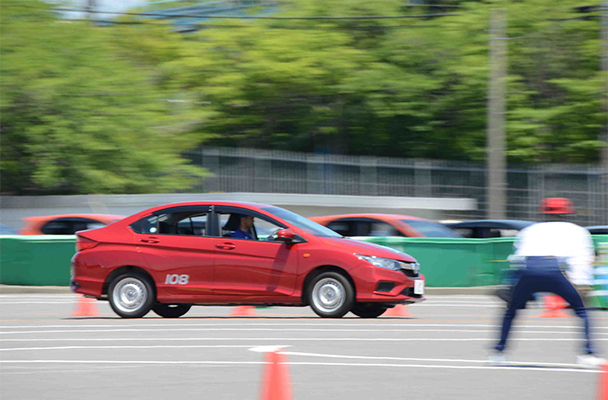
385,225
598,229
67,224
489,228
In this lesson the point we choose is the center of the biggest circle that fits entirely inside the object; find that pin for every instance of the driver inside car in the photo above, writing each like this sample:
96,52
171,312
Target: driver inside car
244,229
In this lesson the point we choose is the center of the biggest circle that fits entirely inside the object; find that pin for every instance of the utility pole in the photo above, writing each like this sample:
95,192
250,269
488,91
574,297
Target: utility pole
90,7
496,187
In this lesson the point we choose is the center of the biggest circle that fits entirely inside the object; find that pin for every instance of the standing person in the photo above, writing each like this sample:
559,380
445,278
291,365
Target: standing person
545,250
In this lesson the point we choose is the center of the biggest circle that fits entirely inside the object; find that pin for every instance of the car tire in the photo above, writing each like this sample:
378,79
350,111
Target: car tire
368,310
131,295
331,295
171,310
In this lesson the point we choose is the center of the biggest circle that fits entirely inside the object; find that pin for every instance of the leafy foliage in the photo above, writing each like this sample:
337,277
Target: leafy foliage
84,108
77,117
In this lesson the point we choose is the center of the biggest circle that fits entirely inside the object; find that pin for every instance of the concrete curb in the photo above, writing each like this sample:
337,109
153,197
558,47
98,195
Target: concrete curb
433,291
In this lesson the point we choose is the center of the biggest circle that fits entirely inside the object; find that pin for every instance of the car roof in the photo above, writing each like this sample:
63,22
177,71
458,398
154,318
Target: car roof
492,223
211,203
383,217
245,204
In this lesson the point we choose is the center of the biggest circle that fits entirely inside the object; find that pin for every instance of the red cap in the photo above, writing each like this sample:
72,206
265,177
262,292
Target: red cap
556,205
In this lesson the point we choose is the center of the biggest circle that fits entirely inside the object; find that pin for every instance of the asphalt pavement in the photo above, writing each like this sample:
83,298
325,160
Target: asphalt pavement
439,352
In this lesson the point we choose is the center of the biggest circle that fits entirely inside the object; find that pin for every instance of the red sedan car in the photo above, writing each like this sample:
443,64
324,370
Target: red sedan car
385,225
210,253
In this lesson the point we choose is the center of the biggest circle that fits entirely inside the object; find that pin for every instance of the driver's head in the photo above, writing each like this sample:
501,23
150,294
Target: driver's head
246,222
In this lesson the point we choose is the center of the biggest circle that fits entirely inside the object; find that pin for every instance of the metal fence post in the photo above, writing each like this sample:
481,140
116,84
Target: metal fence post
211,162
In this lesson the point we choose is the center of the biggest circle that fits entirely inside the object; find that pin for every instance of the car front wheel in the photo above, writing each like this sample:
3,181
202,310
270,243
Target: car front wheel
331,295
131,295
171,310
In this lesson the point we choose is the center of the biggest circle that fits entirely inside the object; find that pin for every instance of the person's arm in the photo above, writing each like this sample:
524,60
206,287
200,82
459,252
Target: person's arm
582,256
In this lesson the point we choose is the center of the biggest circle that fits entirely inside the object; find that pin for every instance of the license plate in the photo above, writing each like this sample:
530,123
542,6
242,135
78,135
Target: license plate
418,287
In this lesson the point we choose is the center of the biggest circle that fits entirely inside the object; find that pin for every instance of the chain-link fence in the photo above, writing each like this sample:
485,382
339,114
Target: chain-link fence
272,171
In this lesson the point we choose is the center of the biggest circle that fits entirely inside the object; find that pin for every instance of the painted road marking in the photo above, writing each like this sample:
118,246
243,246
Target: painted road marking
164,346
310,339
275,330
321,322
291,363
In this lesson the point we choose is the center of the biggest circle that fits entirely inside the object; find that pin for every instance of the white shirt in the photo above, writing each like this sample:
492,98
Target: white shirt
563,240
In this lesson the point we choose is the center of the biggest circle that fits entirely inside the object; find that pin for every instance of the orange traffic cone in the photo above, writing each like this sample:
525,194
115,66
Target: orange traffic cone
554,306
275,378
243,311
602,393
86,307
400,310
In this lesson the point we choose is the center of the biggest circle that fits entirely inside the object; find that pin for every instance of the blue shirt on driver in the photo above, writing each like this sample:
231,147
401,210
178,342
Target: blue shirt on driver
241,234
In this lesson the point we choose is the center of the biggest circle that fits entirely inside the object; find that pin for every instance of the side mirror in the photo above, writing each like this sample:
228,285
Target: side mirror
285,236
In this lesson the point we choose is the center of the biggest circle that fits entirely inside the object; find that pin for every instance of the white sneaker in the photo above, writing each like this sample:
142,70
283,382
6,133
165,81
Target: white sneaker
497,358
590,361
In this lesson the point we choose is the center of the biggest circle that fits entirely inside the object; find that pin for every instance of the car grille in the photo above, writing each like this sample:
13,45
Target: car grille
410,273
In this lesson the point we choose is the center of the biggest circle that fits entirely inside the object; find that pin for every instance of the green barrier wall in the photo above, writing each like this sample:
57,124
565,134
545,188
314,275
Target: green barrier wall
459,262
45,260
36,260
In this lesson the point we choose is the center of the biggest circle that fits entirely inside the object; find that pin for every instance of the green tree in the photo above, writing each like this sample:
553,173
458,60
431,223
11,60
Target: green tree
76,117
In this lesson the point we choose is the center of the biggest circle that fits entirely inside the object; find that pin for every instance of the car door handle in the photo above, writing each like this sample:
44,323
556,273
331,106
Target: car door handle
225,246
149,240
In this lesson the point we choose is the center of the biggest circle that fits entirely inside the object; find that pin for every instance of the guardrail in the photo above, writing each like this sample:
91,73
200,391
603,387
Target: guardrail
45,260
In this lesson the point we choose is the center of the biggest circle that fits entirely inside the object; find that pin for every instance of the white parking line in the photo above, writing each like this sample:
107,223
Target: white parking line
165,346
36,302
513,363
291,339
291,353
324,329
320,322
173,363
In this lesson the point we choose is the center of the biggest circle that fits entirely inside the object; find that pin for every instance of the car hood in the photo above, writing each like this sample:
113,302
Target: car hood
368,249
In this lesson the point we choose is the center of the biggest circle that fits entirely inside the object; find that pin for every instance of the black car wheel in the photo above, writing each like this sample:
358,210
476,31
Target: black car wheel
131,295
368,310
331,295
171,310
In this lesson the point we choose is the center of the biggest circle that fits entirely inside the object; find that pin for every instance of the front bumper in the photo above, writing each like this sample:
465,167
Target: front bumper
379,285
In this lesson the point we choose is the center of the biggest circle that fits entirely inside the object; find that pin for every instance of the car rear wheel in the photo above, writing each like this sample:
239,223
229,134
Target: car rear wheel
368,310
131,295
331,295
171,310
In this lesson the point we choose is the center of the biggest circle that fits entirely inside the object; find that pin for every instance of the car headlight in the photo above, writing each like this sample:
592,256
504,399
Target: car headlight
389,264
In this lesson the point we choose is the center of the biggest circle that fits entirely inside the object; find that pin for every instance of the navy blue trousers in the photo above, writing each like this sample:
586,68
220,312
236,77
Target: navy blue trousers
542,274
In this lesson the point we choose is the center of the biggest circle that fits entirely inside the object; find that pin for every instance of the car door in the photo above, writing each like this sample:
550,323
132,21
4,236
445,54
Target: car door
256,268
178,251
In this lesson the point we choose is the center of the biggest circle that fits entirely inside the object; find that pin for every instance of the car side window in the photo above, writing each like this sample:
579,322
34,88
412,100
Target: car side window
69,226
57,228
181,222
194,225
261,230
344,228
147,225
383,229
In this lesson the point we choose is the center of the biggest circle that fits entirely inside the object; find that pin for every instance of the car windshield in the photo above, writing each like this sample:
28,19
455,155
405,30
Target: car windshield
432,229
300,222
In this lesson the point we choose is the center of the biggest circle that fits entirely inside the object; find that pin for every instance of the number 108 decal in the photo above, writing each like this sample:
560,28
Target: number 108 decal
177,279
